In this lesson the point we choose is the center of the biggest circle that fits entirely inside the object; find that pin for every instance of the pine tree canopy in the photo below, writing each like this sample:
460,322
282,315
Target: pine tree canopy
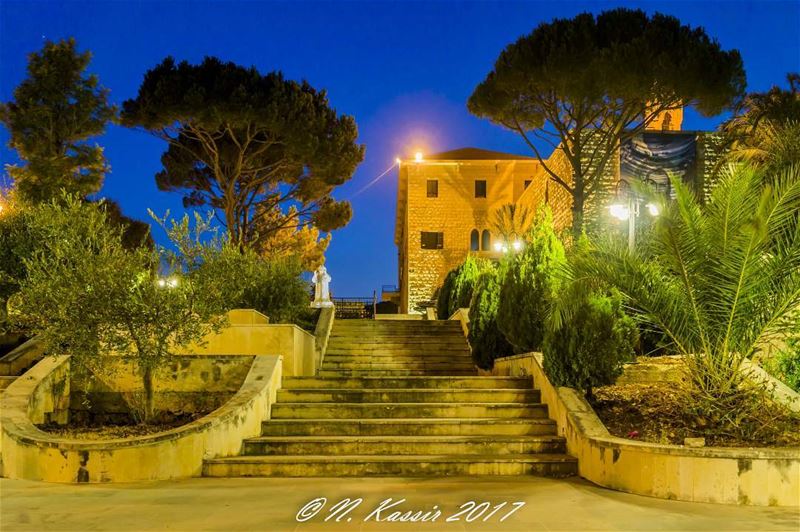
583,84
245,144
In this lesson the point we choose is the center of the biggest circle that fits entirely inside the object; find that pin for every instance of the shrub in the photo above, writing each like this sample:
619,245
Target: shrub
485,338
719,279
529,285
785,364
443,296
589,349
456,291
89,297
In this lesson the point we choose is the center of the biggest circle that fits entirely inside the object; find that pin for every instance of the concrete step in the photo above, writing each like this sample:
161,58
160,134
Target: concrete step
463,365
409,395
407,410
410,352
465,356
395,341
19,360
553,465
408,427
5,381
395,373
372,382
402,445
394,324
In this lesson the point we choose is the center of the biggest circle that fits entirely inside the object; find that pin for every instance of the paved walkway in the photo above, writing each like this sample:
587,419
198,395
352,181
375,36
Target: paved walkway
271,504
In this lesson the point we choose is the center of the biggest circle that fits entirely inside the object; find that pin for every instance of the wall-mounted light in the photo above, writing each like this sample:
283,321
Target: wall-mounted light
418,157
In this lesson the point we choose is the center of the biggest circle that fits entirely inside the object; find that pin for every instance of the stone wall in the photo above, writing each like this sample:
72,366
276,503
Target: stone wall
187,384
32,454
747,476
248,334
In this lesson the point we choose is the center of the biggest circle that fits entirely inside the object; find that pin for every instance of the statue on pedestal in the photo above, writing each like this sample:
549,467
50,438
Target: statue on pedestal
322,294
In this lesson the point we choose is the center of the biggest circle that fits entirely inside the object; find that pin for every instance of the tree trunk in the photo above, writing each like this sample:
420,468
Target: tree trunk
577,209
147,381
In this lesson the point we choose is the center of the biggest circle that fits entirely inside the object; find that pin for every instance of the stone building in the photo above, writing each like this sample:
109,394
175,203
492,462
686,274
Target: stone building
446,202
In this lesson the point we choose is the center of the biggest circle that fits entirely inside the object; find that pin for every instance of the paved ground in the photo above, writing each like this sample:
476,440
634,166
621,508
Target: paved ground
273,504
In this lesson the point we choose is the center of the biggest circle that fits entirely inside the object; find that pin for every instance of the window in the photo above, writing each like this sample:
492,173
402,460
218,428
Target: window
486,240
433,188
474,240
480,188
432,240
527,184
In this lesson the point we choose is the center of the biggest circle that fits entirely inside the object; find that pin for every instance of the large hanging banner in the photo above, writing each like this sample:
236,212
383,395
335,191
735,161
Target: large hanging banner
654,157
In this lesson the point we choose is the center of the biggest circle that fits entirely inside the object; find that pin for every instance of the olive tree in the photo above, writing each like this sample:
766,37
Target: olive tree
88,296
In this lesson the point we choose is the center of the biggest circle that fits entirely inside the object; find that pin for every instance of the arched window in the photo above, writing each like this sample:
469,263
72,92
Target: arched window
486,240
473,240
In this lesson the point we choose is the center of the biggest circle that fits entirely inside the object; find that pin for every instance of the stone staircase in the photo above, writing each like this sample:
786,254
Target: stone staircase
19,360
401,398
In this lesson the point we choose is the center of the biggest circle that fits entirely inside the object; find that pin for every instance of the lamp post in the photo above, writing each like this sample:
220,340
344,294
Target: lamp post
626,207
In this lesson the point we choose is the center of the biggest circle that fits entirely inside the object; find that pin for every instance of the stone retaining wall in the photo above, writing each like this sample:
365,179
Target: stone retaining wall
42,395
758,476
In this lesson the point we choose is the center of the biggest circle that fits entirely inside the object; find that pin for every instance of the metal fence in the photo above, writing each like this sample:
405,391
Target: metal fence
353,308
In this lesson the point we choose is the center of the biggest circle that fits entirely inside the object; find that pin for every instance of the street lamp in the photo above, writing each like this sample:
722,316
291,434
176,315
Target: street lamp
626,207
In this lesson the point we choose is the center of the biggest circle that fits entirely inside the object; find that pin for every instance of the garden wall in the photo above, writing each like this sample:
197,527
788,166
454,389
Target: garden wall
249,334
42,395
187,384
762,477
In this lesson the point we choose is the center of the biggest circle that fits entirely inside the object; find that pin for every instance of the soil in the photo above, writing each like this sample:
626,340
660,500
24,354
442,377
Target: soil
654,413
89,429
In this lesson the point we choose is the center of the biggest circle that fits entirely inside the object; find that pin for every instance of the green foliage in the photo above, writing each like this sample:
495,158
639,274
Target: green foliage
56,109
485,338
444,293
465,282
718,279
247,144
786,364
88,296
590,349
591,81
238,279
529,286
456,291
16,243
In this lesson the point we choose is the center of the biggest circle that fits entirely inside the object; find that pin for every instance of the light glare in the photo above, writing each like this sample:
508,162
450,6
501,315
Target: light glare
652,208
620,212
418,156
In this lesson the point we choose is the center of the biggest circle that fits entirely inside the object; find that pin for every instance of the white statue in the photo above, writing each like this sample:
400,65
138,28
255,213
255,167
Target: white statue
322,295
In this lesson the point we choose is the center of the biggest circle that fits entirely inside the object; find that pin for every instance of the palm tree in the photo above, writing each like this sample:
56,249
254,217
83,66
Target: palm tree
718,279
512,222
765,129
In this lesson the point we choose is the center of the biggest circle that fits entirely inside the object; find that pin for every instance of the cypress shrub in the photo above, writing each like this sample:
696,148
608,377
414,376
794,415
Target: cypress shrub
485,338
443,297
589,348
456,290
529,285
464,282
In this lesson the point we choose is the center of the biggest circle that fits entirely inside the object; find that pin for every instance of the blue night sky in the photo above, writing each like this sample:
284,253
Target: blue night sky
403,70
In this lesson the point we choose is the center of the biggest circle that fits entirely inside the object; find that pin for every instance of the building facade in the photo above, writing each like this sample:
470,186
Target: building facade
446,202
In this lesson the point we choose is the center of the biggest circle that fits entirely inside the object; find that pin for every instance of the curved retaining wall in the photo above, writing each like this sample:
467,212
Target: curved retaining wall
754,476
42,395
